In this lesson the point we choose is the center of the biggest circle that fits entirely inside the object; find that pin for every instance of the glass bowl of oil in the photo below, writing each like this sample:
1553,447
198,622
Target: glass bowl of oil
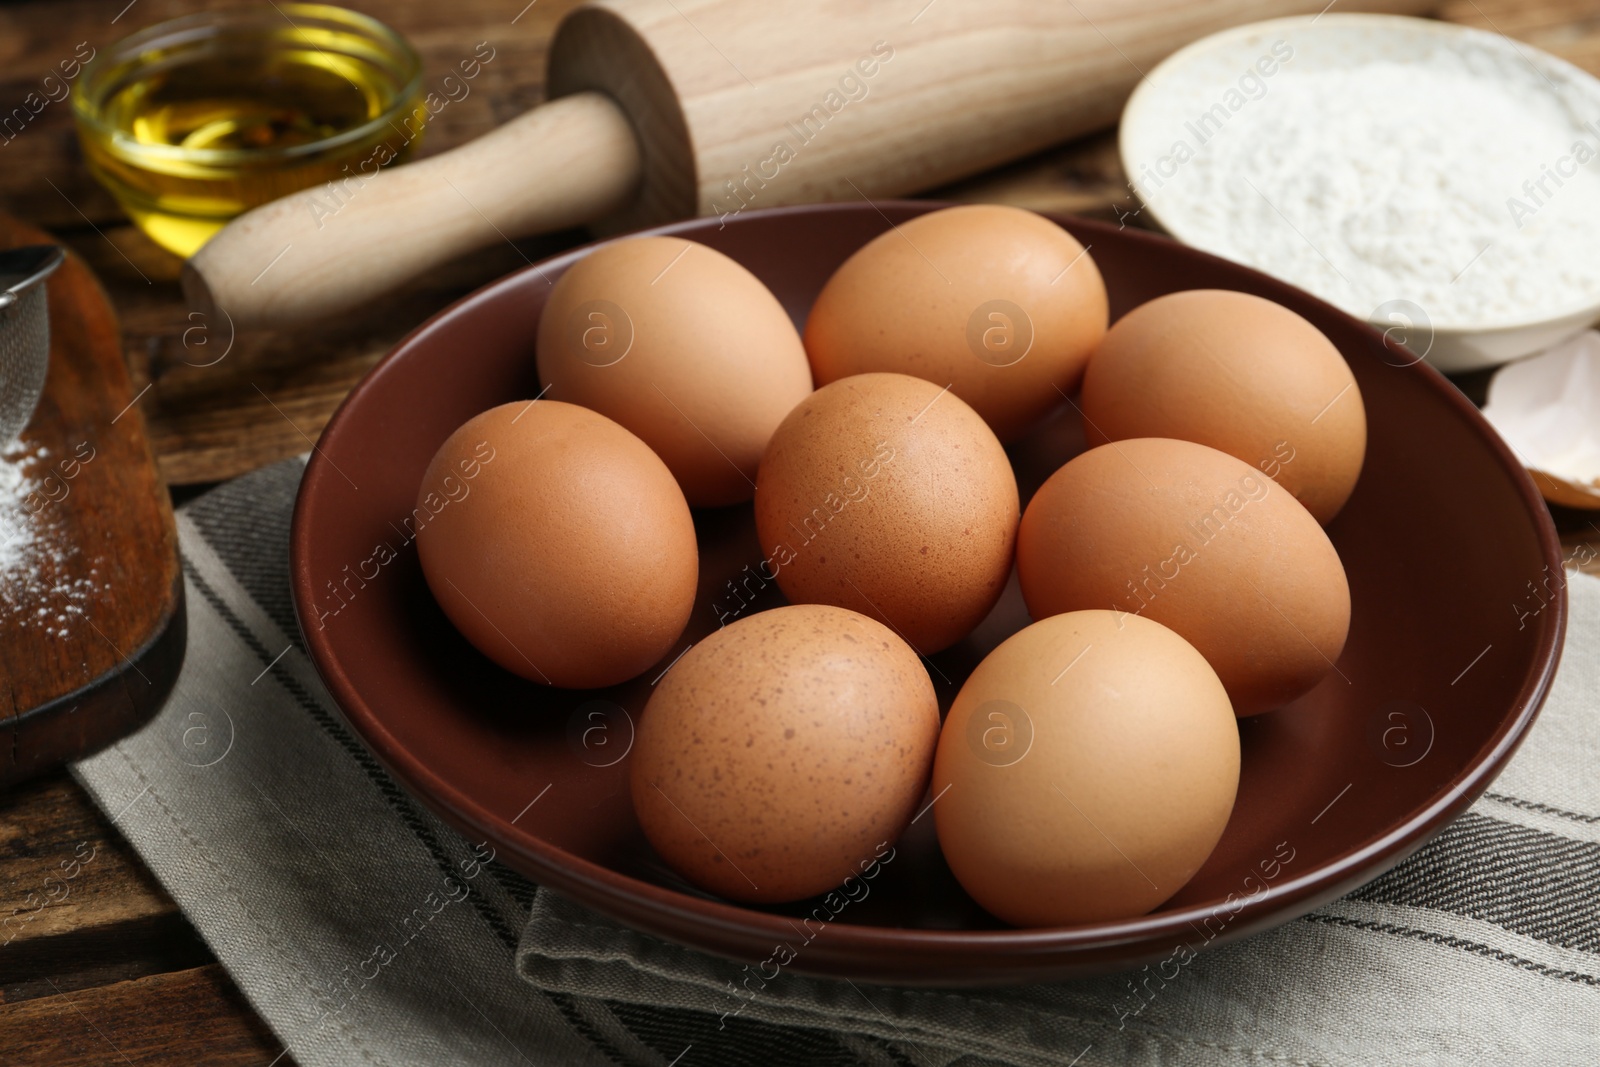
195,121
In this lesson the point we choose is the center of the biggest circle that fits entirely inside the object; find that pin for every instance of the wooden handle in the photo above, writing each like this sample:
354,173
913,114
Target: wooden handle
314,254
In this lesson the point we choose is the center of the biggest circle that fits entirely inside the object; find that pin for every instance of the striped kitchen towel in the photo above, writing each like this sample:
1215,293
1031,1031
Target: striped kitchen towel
366,932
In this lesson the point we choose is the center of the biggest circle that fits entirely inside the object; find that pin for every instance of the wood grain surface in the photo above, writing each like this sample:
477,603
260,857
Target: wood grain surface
97,965
92,638
112,973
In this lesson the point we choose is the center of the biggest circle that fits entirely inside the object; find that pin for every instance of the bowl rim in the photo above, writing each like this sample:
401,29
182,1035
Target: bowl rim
731,927
1583,314
221,23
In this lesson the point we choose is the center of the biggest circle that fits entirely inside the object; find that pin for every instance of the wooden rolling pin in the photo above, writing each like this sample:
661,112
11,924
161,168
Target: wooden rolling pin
662,109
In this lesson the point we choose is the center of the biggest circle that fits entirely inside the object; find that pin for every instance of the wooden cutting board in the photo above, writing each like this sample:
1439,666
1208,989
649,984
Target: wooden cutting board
91,595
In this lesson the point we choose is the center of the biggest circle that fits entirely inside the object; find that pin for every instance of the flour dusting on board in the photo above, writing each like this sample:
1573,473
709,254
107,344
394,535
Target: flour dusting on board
35,589
1462,176
19,523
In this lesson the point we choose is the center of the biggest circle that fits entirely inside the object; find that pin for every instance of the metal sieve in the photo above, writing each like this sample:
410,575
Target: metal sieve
24,333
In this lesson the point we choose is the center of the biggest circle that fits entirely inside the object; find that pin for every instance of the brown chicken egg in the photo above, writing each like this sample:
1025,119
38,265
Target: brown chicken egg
684,347
1201,542
785,753
557,543
888,495
1085,771
998,303
1241,374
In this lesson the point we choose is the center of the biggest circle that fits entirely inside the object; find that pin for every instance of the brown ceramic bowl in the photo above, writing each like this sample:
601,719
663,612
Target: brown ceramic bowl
1437,685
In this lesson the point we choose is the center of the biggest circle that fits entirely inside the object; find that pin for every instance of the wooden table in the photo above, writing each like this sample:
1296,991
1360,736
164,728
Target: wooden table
113,972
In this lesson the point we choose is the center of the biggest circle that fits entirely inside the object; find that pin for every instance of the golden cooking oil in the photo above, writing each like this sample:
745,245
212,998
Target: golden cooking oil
195,121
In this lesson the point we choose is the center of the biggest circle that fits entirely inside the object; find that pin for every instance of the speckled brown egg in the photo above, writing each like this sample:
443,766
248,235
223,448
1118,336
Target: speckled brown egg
1241,374
1085,771
683,346
888,495
1201,542
998,303
557,543
784,753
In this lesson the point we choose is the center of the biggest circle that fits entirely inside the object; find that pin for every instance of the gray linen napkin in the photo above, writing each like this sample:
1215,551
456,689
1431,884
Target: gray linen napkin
366,932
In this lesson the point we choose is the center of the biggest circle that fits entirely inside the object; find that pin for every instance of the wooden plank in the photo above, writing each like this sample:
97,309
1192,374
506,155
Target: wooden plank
192,1016
87,959
65,869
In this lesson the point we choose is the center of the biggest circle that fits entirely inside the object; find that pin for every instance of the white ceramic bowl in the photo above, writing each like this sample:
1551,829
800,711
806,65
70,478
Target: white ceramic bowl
1146,135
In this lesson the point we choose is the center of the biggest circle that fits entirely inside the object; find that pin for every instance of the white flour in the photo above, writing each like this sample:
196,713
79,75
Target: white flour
16,522
33,551
1375,174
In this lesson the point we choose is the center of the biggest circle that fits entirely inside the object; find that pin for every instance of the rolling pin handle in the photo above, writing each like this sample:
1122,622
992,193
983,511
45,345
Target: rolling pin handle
293,261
